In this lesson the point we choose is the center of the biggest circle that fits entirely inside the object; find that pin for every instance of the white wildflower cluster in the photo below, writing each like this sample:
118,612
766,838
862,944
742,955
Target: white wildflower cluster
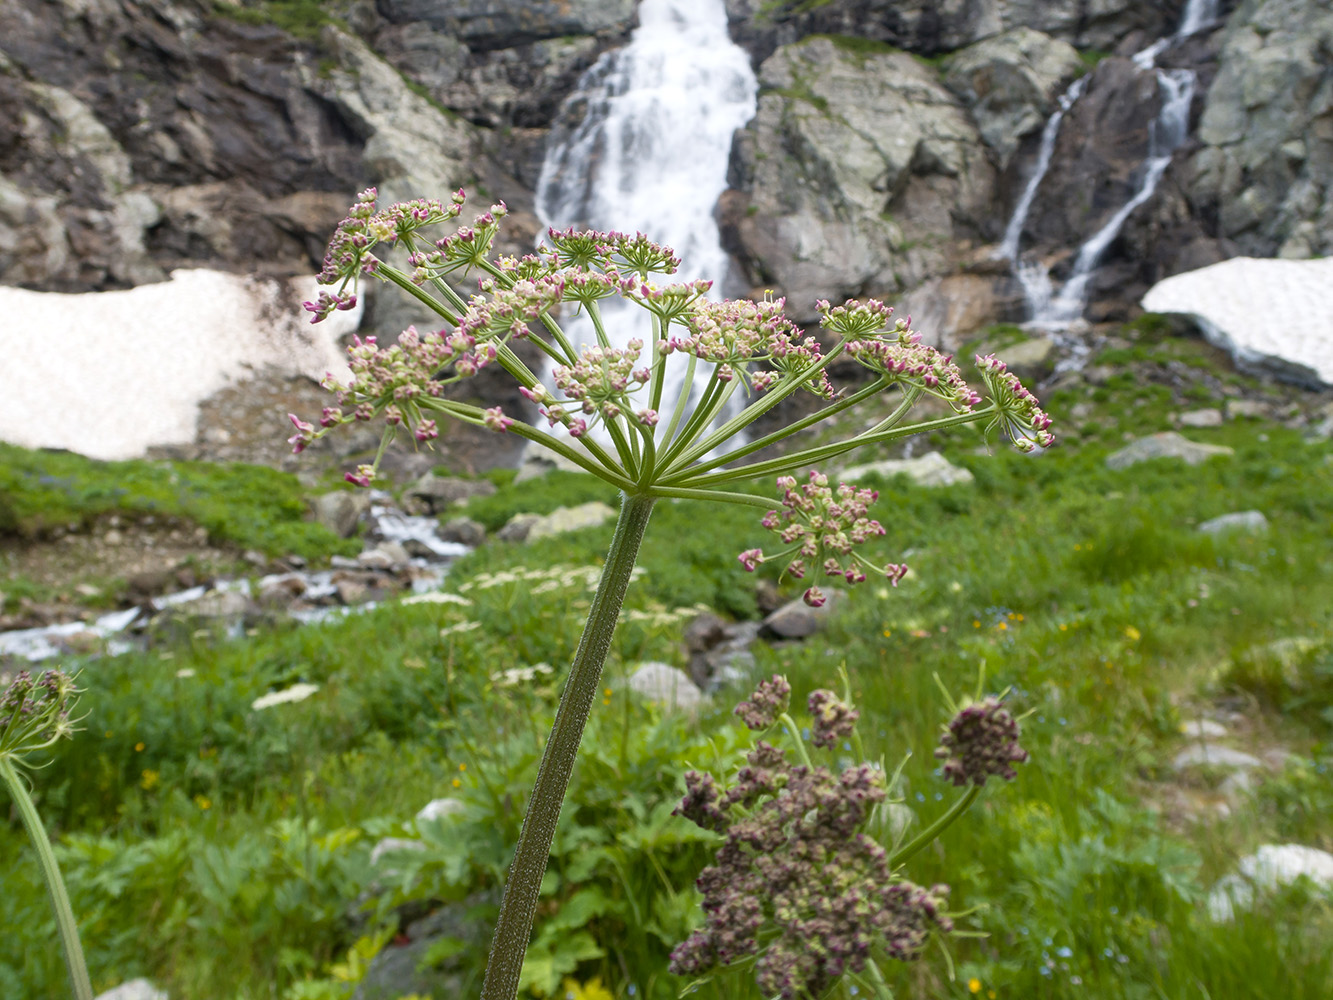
521,675
437,597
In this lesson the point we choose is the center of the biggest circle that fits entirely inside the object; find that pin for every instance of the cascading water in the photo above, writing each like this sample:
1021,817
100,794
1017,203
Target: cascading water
1167,133
643,144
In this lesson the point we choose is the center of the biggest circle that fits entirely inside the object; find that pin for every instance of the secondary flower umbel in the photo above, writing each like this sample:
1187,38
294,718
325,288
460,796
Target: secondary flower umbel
822,527
797,882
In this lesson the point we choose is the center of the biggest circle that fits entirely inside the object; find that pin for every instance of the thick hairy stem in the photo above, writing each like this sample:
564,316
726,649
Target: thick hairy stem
55,885
519,903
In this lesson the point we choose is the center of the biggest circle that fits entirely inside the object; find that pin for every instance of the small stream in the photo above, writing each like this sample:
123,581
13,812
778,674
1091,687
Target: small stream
414,560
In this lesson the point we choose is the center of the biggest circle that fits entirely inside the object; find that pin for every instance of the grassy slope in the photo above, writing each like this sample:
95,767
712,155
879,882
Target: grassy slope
1086,590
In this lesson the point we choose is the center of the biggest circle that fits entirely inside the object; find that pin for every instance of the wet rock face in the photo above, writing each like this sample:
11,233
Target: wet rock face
122,122
856,172
492,24
137,138
1103,140
1266,166
931,27
1009,84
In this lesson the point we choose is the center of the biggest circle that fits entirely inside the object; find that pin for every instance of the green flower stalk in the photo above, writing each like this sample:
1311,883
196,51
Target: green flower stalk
34,716
738,360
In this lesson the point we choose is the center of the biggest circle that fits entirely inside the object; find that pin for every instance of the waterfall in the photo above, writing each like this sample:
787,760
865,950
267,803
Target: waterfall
1014,231
643,143
1167,133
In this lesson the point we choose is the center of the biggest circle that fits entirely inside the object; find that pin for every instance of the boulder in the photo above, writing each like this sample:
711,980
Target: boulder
463,530
1167,444
341,510
516,529
857,170
538,461
665,685
563,519
950,310
1267,869
439,492
1250,521
385,556
1031,360
930,469
718,651
1009,82
396,971
1274,316
796,619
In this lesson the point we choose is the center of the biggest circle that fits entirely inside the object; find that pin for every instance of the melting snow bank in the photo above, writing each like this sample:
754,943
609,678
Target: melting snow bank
109,374
1273,315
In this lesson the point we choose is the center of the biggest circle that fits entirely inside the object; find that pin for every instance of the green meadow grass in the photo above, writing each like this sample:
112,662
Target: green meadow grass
224,852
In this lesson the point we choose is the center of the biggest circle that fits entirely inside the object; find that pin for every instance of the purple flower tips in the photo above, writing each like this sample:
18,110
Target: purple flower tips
770,699
981,741
833,718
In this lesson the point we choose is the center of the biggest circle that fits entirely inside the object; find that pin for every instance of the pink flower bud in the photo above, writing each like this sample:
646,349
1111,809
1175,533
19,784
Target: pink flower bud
497,421
750,559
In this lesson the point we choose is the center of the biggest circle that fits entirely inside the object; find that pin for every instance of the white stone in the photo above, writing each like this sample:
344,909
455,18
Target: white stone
665,685
1213,755
1211,417
109,374
1269,868
931,469
1252,521
1254,409
584,515
135,989
1274,314
1202,729
1167,444
393,845
386,555
439,809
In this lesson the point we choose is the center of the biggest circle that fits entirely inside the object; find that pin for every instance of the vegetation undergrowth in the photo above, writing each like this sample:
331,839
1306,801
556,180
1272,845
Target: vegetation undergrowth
225,850
248,506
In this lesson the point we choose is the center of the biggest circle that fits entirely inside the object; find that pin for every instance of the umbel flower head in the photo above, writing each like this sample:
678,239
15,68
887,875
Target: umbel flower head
770,700
610,396
979,742
796,882
823,527
35,714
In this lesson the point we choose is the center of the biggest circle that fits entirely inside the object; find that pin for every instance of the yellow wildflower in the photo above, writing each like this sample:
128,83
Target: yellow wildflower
591,990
